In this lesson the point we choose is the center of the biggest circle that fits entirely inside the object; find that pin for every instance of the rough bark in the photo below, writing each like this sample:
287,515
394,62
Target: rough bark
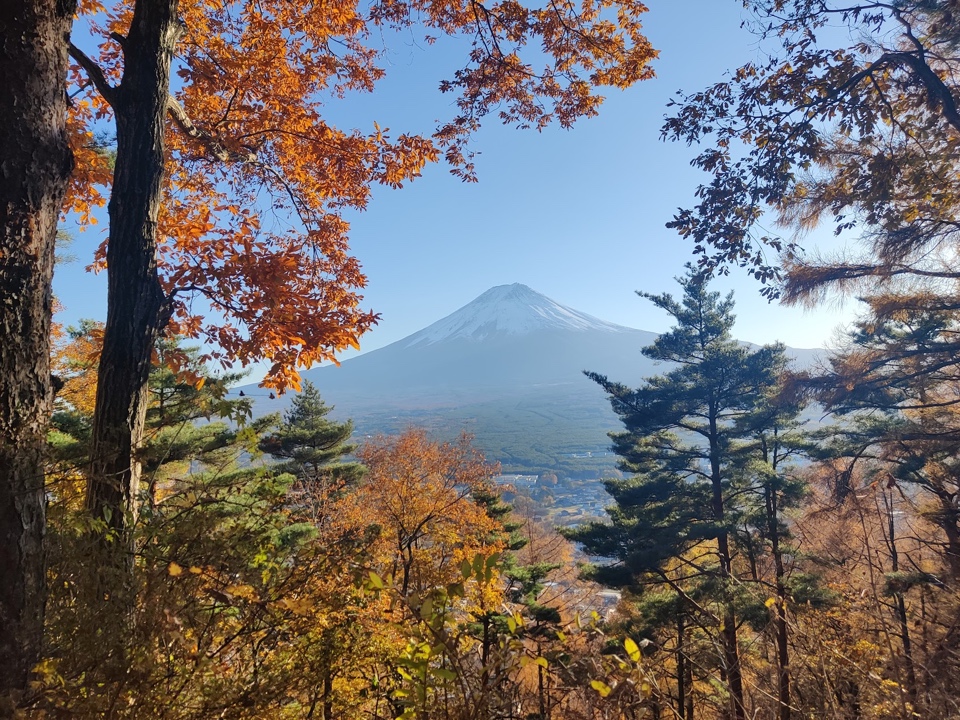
35,163
947,519
136,305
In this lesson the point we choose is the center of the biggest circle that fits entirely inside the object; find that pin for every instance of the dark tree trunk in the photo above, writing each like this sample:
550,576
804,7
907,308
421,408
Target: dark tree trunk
901,608
35,164
783,649
948,518
136,307
682,688
327,694
728,635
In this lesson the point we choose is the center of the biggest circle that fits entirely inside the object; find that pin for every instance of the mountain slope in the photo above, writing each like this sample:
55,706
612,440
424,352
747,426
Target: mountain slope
507,367
508,310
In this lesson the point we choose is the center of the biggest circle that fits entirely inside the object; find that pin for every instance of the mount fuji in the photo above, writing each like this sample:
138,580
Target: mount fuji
506,367
508,310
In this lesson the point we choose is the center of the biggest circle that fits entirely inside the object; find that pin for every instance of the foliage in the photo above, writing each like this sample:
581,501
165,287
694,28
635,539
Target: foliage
419,494
851,120
858,129
418,592
895,383
181,392
679,442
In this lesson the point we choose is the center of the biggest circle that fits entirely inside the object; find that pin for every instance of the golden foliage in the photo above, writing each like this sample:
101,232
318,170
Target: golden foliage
419,493
75,358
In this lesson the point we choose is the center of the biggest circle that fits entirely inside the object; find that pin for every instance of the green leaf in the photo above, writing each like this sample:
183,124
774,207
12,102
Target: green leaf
426,608
376,582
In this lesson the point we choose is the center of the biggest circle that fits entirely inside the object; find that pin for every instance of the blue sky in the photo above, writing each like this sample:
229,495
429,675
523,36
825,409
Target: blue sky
577,215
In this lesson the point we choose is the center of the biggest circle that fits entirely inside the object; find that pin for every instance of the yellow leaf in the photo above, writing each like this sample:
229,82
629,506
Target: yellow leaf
242,591
174,570
601,687
542,662
302,606
633,651
771,602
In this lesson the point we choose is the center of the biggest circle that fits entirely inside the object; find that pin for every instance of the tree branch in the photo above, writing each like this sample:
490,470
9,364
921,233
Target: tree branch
938,90
107,91
209,141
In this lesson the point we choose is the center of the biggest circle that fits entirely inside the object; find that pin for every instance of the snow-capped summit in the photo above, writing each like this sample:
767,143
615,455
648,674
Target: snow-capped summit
508,310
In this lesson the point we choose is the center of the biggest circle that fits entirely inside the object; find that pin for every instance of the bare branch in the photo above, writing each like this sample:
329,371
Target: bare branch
107,91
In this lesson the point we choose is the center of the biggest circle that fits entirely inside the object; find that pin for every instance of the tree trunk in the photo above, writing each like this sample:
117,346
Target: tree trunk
682,688
728,634
689,684
947,518
783,647
901,608
137,309
327,694
35,164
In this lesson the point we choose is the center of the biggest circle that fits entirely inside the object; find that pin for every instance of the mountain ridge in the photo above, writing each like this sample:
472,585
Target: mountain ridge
506,367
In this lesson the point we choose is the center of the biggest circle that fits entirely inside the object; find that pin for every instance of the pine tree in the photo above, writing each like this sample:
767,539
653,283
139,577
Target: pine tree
181,391
312,447
775,437
681,444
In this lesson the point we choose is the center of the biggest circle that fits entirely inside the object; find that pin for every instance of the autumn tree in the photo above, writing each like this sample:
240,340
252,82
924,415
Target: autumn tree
893,391
869,643
229,186
420,495
685,494
439,535
895,385
37,164
850,121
